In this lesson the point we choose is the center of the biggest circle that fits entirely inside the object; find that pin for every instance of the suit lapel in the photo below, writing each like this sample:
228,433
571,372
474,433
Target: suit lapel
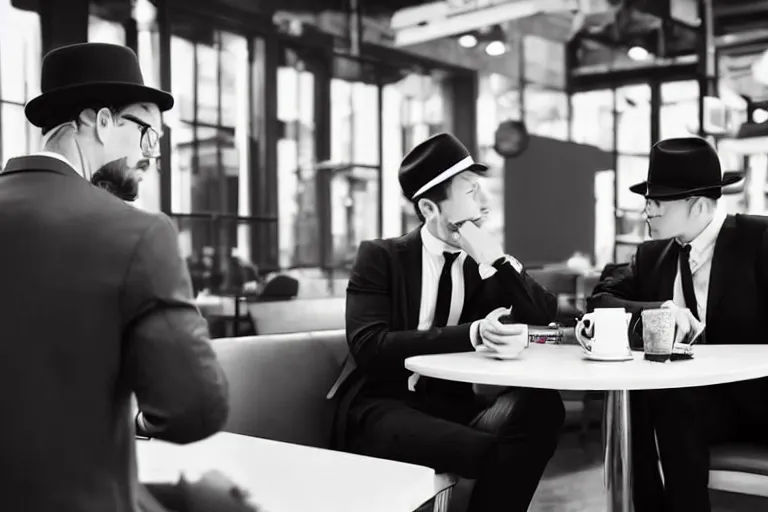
666,269
409,251
472,282
723,259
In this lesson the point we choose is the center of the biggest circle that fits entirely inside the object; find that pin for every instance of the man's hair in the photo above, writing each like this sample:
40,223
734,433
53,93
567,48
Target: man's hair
73,114
436,194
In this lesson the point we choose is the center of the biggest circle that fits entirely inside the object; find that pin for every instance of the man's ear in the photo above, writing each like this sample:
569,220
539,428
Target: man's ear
428,208
100,122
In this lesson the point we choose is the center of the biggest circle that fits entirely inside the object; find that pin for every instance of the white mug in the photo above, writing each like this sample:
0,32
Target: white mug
604,332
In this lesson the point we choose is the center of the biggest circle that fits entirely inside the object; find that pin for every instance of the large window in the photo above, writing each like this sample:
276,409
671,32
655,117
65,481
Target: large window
592,122
354,185
633,143
299,237
210,190
546,111
592,118
679,112
20,49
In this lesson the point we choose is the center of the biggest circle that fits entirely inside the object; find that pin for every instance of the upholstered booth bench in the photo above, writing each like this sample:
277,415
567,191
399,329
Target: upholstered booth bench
278,385
741,469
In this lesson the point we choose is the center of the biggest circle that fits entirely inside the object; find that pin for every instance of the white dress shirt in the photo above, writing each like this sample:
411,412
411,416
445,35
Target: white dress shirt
702,250
432,261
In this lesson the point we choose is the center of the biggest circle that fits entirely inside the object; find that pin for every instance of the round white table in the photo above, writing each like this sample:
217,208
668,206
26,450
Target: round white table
565,367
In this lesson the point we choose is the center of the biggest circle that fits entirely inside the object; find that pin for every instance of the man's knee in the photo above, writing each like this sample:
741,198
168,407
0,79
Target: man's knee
539,411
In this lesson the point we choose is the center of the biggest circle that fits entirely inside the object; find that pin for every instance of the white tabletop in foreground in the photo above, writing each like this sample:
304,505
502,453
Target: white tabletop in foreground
565,367
284,477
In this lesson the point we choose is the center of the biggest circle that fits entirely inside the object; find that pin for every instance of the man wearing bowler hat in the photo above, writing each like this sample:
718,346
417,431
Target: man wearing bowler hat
442,288
708,267
96,300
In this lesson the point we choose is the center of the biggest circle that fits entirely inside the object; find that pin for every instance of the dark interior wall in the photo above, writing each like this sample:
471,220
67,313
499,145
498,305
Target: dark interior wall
63,22
549,200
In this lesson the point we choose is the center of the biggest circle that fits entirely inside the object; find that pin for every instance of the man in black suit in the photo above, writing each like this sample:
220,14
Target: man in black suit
709,267
96,301
442,289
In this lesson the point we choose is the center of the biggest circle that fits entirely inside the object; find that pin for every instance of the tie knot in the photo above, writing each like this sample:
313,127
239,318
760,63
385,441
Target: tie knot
450,257
687,249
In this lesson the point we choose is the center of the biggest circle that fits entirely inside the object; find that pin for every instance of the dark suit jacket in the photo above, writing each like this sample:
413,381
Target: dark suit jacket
382,316
95,304
738,283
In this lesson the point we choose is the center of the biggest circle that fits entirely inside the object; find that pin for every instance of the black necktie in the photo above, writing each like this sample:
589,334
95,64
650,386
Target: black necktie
686,278
444,291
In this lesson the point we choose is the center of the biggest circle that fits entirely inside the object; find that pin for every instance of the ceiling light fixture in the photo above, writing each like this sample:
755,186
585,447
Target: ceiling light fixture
468,41
638,53
760,115
495,48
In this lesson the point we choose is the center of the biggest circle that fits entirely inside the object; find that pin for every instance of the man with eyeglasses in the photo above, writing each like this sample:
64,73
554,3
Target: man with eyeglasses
708,267
95,300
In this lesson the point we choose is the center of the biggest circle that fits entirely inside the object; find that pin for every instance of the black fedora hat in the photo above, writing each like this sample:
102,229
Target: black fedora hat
684,167
437,159
84,75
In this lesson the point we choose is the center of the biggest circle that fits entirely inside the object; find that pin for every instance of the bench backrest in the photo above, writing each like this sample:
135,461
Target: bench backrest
278,384
298,315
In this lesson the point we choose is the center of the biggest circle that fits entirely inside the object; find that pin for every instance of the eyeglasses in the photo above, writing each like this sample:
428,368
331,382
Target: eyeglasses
150,139
660,207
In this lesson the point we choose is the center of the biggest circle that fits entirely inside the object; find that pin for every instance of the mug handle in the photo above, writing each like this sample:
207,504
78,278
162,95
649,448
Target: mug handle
633,331
585,324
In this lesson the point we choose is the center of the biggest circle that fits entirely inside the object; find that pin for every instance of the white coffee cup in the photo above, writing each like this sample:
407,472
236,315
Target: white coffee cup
604,332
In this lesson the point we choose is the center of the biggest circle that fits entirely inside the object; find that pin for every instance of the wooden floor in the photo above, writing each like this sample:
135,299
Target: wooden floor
573,482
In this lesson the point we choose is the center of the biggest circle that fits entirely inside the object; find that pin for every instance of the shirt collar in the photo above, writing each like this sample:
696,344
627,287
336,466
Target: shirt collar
707,238
434,245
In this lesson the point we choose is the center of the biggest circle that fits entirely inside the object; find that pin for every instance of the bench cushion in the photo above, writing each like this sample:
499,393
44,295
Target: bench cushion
744,458
278,384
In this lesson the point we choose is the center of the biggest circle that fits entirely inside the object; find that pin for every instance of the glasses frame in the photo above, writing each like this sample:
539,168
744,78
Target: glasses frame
150,138
661,204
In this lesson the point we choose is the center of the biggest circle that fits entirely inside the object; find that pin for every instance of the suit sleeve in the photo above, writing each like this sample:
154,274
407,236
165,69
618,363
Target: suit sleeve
764,265
620,290
180,388
531,303
373,344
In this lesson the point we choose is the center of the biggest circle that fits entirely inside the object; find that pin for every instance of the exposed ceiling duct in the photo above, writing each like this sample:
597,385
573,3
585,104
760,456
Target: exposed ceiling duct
436,20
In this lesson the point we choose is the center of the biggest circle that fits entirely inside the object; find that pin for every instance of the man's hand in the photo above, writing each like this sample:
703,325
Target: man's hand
479,244
685,323
502,337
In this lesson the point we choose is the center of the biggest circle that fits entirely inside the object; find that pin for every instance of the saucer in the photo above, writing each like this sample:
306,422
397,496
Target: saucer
618,357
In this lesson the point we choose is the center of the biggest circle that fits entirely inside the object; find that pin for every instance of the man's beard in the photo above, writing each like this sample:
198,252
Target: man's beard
118,179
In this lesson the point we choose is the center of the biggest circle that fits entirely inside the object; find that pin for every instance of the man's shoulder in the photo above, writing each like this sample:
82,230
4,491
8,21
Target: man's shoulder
751,223
385,244
126,215
653,246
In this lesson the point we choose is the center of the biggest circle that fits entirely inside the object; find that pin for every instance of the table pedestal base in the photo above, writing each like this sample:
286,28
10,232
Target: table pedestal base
618,452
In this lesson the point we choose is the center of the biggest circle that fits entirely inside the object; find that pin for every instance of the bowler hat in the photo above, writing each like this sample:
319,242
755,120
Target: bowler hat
434,161
84,75
684,167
